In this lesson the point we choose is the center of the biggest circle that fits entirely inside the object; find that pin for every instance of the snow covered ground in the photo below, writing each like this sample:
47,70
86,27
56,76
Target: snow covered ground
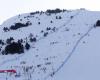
84,63
62,44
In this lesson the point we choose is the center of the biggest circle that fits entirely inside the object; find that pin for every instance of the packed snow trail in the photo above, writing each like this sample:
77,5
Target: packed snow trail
65,24
70,54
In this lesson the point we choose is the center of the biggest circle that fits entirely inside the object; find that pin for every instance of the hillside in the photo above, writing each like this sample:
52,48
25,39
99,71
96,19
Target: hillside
38,45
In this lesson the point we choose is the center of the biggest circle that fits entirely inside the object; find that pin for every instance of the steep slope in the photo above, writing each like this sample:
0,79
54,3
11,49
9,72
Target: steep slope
37,45
84,63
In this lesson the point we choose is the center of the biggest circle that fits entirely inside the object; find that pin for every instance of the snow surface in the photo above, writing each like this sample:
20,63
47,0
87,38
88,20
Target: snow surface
69,51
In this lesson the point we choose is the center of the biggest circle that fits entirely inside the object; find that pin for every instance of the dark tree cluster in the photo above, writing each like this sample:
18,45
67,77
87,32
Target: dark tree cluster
5,29
41,12
33,13
45,34
8,41
58,17
54,11
27,46
20,41
20,19
71,17
48,28
14,48
54,29
42,31
33,39
37,12
98,23
1,42
39,23
20,25
57,10
51,21
64,10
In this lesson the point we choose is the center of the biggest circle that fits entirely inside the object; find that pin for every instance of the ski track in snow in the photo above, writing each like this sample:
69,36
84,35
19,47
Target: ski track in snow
70,54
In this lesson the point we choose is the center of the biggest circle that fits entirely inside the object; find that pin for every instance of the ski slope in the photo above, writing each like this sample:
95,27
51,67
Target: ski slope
65,46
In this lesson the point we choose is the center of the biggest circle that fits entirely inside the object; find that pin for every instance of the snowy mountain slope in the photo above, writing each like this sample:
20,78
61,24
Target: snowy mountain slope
38,45
84,63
